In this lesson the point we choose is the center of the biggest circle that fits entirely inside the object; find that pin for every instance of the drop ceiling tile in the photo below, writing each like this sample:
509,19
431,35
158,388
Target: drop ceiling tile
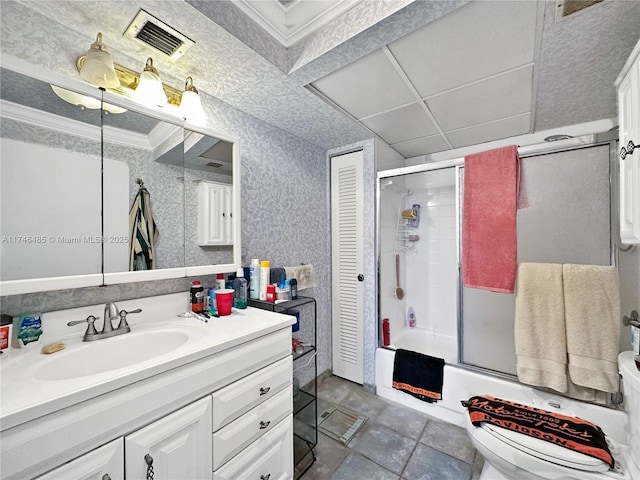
402,124
471,43
492,99
421,146
366,86
487,132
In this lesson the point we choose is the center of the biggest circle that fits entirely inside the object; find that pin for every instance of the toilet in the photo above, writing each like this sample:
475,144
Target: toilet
510,455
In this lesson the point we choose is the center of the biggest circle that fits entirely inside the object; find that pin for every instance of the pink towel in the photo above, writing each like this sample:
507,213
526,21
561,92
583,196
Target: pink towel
489,246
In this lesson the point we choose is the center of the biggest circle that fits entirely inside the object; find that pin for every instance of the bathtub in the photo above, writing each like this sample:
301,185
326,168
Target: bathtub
427,342
462,383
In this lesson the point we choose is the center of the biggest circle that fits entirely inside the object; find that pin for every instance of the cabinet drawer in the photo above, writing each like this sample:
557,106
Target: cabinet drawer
229,440
240,397
268,458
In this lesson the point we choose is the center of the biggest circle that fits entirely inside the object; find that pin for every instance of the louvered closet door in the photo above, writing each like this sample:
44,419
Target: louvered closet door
347,265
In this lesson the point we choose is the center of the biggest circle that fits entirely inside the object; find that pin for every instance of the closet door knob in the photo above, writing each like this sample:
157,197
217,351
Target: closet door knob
360,277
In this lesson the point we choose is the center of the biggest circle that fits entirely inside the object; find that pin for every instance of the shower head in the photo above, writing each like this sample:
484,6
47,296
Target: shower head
389,184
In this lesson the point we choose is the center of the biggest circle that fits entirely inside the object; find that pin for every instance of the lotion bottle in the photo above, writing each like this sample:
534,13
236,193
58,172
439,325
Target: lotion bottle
254,279
265,274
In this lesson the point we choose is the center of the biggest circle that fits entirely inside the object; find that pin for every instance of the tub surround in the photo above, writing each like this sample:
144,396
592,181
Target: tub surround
85,412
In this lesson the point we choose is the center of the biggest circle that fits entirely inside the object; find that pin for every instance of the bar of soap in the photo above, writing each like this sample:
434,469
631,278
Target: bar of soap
53,347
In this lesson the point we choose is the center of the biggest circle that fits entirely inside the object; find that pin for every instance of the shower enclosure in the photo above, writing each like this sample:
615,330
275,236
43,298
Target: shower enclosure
567,219
419,257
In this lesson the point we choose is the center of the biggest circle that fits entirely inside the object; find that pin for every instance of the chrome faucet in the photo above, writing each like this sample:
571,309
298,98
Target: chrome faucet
110,313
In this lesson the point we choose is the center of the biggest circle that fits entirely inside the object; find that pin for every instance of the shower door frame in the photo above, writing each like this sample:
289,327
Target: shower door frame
609,138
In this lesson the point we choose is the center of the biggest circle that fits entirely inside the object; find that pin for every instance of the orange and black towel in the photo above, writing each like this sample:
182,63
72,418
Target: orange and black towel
569,432
418,375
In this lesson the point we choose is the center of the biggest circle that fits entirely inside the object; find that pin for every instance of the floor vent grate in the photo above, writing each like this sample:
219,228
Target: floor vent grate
340,423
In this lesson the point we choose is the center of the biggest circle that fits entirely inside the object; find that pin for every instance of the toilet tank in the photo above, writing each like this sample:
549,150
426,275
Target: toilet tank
631,390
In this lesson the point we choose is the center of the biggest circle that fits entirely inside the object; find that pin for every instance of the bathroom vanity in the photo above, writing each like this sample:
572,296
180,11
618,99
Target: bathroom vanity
175,398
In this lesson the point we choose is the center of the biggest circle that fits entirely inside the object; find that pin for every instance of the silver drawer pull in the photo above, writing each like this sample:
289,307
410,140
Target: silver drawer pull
264,424
264,390
265,477
106,477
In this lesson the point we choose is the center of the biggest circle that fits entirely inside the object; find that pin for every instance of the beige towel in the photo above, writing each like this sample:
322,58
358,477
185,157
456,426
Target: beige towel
592,311
304,275
541,352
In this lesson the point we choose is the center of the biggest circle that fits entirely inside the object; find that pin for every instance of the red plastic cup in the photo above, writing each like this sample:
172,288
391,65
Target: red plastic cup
224,301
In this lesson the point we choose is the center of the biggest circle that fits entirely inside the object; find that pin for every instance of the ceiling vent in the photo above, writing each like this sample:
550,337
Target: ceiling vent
148,30
564,8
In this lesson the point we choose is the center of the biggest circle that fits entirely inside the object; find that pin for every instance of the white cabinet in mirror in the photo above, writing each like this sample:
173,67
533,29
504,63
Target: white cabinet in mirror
90,197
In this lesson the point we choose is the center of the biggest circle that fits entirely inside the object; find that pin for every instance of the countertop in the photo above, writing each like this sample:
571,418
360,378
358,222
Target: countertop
25,397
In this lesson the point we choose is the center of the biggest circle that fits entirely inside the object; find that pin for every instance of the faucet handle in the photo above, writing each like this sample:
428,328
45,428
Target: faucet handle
123,319
91,329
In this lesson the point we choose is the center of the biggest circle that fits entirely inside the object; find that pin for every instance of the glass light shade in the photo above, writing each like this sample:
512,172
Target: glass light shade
149,90
190,103
191,107
83,101
98,66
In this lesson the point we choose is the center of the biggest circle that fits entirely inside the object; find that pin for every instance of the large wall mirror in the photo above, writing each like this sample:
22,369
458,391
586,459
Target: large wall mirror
72,180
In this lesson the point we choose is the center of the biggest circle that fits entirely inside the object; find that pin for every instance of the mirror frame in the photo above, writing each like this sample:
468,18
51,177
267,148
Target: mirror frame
15,287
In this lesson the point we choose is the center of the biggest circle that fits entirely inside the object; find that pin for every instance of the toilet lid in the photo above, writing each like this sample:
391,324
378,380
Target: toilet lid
547,451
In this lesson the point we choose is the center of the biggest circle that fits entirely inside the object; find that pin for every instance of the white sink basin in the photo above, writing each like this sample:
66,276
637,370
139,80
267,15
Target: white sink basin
108,354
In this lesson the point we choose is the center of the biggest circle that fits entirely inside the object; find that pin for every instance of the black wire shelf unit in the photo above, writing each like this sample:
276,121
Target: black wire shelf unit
305,403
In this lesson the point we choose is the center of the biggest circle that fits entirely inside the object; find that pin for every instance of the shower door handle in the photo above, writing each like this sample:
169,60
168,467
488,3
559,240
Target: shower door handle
360,277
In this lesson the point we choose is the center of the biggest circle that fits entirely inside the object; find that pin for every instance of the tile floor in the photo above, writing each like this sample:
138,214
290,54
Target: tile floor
396,442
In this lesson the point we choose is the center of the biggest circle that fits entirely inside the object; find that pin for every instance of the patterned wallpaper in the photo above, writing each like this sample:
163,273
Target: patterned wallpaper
284,196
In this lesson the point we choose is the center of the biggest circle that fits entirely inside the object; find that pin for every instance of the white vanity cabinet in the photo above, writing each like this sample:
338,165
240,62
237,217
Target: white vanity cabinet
218,414
628,85
176,446
103,463
215,214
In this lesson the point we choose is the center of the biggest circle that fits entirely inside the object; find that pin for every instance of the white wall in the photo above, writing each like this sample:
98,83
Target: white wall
431,263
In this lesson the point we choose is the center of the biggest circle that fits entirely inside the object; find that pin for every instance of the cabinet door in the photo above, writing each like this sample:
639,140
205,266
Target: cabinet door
629,118
178,444
215,218
103,463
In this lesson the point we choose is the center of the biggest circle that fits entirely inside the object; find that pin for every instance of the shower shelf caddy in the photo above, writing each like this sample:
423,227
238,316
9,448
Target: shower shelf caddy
408,220
305,404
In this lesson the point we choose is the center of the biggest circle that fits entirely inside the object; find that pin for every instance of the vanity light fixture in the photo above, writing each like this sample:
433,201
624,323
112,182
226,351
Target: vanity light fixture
190,104
98,68
145,88
149,90
83,101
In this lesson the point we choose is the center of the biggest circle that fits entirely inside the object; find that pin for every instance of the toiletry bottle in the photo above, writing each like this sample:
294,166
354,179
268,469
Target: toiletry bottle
197,296
386,338
27,329
411,318
212,307
219,281
271,294
254,279
265,274
293,284
240,290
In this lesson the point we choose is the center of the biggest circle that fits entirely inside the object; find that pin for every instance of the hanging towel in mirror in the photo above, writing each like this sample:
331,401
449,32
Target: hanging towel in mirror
489,246
143,232
418,375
